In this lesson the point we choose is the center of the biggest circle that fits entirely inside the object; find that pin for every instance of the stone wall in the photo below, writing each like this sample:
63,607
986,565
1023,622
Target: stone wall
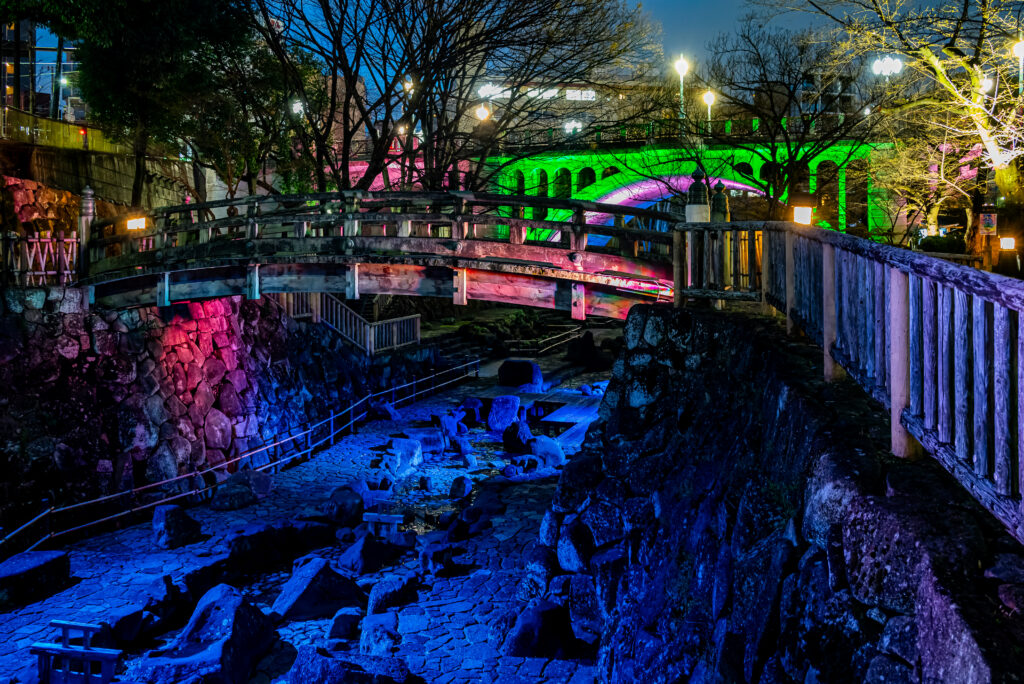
110,175
32,205
96,401
732,518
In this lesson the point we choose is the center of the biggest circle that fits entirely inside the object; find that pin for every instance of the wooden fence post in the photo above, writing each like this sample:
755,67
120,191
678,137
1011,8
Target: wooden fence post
86,214
828,317
899,361
790,282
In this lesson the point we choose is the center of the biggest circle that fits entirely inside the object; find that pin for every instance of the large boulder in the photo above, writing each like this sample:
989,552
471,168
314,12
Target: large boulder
345,507
345,624
241,489
317,665
172,527
542,630
379,634
516,372
516,437
223,639
548,450
316,591
403,456
504,411
31,575
391,592
470,408
367,554
432,440
462,487
574,547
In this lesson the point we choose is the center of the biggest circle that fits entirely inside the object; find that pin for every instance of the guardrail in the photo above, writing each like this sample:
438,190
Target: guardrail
373,337
20,126
34,259
304,441
940,344
543,345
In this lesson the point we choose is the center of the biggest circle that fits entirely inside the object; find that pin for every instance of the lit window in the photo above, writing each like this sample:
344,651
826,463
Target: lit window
575,94
542,94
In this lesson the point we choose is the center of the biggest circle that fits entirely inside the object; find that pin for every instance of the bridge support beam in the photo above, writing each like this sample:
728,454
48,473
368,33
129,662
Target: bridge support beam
163,290
352,282
579,302
252,281
460,286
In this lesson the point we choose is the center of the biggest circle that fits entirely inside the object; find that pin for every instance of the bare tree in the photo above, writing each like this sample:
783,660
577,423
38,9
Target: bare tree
416,72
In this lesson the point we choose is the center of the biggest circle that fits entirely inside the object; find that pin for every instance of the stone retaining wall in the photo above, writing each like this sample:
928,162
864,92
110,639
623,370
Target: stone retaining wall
732,518
96,401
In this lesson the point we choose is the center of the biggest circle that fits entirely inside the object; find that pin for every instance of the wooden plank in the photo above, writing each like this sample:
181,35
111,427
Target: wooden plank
962,375
928,353
790,283
1002,414
899,380
916,371
982,387
944,364
460,292
579,302
870,325
828,317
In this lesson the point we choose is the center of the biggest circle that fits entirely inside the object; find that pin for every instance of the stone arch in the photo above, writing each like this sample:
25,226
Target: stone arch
609,171
585,178
540,190
563,184
825,185
518,183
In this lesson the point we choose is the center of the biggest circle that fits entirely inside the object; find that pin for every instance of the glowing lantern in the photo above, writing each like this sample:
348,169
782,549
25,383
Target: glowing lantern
1007,243
803,207
136,223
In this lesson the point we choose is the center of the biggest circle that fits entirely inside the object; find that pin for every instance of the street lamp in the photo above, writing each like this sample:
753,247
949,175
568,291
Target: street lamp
803,207
709,99
682,68
986,84
297,107
887,66
482,112
1018,52
573,126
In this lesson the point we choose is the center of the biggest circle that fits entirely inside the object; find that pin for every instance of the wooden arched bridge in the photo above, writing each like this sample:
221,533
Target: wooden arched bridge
455,245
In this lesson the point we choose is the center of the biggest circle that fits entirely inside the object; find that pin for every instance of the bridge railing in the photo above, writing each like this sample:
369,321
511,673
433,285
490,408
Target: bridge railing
35,259
940,344
373,337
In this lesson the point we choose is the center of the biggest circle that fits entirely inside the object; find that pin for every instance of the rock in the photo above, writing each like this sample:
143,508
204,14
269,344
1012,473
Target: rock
471,407
516,437
383,410
345,507
548,450
316,666
315,591
172,527
584,611
379,634
1008,568
575,546
31,575
540,563
899,638
218,429
604,522
432,440
241,489
548,535
366,555
469,460
391,592
462,487
403,456
516,372
511,471
504,411
438,557
223,639
542,630
345,623
886,670
451,427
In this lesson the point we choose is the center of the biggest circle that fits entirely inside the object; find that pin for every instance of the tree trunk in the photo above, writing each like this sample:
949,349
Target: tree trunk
198,179
139,183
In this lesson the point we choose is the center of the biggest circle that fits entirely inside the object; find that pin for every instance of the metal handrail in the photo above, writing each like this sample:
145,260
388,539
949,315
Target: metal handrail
426,384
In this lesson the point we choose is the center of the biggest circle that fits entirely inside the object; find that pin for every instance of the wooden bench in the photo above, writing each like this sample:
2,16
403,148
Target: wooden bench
68,663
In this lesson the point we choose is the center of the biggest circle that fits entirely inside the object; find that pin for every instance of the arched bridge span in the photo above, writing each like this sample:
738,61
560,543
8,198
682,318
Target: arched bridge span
460,246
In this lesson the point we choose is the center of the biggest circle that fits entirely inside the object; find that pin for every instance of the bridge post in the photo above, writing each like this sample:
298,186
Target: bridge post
252,282
578,236
86,214
460,281
352,282
579,302
828,318
679,264
351,226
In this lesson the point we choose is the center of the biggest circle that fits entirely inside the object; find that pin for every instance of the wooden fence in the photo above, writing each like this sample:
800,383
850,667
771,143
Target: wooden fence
38,259
938,343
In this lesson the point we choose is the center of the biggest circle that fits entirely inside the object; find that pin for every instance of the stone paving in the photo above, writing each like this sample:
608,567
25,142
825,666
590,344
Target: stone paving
444,635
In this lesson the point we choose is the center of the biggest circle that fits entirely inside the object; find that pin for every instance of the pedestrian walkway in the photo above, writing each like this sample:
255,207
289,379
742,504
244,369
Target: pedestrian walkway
445,634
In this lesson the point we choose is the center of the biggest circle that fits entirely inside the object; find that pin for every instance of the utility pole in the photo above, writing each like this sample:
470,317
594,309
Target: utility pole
57,89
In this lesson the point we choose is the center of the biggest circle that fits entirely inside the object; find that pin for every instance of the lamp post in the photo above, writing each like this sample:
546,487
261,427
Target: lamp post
482,112
803,207
709,99
682,68
887,66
